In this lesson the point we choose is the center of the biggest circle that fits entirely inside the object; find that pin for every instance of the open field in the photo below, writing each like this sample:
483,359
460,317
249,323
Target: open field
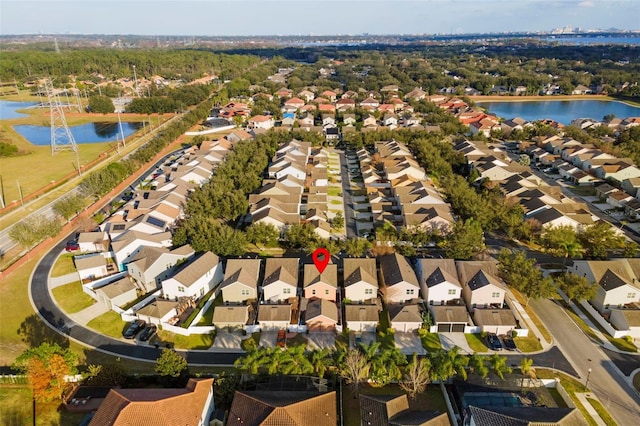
71,298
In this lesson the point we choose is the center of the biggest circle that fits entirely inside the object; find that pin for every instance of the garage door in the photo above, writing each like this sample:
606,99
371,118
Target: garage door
457,328
444,328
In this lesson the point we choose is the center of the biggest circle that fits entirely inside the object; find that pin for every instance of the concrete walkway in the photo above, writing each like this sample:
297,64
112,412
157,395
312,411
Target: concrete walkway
530,324
582,397
65,279
87,314
449,340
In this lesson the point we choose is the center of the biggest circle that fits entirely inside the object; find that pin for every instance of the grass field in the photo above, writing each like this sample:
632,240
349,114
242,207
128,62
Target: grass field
431,342
16,409
71,298
63,266
476,343
602,412
195,341
528,344
108,323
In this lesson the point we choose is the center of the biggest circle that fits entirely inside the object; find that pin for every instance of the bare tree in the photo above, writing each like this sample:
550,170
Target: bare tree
355,369
416,376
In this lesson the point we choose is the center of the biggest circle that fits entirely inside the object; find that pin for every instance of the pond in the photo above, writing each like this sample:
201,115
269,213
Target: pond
8,109
86,133
561,111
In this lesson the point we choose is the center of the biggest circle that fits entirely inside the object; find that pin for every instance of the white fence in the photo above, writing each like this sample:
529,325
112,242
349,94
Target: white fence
91,287
603,322
216,130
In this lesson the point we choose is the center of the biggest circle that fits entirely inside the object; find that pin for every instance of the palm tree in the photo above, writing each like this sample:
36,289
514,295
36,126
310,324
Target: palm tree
526,366
498,365
321,361
446,364
478,365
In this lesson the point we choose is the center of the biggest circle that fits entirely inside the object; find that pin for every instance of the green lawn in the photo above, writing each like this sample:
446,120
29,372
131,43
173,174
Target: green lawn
430,400
194,341
476,342
619,343
335,202
580,323
545,333
602,412
334,192
16,406
71,298
528,344
431,342
63,266
108,323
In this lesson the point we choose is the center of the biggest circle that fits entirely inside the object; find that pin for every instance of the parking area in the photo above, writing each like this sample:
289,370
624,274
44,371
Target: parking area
409,343
449,340
321,340
268,338
228,340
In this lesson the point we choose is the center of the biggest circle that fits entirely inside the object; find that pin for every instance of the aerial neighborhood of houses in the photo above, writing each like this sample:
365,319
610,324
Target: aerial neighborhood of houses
130,265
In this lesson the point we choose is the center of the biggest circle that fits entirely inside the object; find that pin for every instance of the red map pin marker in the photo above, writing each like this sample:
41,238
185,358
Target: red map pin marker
321,258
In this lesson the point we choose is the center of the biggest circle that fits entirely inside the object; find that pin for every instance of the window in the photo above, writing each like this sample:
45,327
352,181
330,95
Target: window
202,291
631,296
180,289
313,291
495,294
245,292
410,291
326,291
286,291
368,291
452,291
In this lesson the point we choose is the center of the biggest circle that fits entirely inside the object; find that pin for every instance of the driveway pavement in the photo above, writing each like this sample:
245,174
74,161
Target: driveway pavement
89,313
366,338
409,343
226,340
449,340
268,338
321,340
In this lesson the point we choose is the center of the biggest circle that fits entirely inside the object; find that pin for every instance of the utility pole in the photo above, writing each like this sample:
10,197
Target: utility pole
20,192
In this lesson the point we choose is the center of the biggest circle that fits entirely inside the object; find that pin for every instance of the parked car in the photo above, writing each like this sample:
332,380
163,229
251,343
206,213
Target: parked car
134,328
508,343
72,245
281,340
493,342
148,331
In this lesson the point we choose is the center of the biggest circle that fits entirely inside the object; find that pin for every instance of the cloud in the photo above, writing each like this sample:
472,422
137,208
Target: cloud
586,3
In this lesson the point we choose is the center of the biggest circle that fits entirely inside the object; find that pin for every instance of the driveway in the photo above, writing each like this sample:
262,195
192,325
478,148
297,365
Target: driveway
409,343
226,340
268,338
365,338
449,340
321,340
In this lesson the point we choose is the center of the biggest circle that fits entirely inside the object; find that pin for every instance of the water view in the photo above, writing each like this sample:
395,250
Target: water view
561,111
86,133
8,110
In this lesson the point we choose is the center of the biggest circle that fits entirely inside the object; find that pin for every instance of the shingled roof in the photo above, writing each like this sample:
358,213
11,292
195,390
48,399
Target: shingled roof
283,408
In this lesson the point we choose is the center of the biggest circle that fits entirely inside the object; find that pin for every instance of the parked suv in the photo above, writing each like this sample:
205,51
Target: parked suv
134,328
494,342
148,331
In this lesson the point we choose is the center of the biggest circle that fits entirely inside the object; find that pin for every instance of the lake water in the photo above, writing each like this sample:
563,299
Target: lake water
8,109
86,133
561,111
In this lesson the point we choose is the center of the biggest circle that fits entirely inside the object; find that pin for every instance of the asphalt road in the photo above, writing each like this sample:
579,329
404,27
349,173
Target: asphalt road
347,197
605,380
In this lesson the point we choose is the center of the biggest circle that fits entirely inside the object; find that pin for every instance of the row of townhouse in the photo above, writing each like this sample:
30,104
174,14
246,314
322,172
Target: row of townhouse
399,191
133,245
295,190
290,295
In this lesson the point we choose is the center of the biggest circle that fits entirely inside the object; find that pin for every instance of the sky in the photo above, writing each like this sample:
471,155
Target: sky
311,17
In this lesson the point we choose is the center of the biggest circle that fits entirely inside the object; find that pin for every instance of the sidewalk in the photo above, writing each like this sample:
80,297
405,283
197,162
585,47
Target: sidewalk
526,318
87,314
582,397
65,279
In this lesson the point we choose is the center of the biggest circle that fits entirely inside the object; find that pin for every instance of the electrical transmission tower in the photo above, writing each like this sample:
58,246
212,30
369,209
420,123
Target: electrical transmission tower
61,137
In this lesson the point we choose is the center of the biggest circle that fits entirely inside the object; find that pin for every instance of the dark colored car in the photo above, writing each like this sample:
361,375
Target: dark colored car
509,344
149,331
134,328
72,245
493,342
281,340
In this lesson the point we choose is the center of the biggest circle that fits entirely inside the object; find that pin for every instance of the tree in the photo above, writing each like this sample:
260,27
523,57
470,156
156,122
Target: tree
522,274
526,366
562,241
465,241
69,206
46,366
206,233
262,233
354,368
600,238
100,105
109,374
34,229
171,364
446,364
338,221
478,365
357,247
416,376
301,236
498,365
576,287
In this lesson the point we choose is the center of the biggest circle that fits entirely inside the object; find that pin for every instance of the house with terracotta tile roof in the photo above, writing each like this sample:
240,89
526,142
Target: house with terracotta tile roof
261,122
283,408
191,406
